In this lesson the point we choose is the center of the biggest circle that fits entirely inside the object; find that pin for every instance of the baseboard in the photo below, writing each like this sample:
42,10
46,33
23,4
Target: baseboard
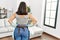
51,35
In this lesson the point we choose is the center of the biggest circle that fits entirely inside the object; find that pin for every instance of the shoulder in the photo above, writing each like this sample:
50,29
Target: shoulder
13,15
30,15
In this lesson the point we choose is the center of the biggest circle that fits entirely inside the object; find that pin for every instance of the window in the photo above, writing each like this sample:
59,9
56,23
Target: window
50,14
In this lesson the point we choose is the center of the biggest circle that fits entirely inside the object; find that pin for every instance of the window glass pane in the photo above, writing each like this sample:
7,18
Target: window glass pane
48,0
54,0
53,14
48,6
47,13
53,5
52,22
47,21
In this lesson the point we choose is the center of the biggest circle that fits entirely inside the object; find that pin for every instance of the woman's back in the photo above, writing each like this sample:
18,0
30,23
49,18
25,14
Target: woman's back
22,20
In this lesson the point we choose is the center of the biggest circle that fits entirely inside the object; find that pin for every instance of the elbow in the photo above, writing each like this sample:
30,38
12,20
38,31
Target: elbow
8,21
36,21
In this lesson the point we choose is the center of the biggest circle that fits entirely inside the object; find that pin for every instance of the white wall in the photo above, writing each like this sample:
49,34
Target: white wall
54,32
36,7
9,4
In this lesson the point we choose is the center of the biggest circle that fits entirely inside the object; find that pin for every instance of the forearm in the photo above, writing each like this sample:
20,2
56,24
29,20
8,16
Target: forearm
12,18
10,22
13,24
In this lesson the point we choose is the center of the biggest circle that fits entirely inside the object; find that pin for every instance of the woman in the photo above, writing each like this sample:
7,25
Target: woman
21,31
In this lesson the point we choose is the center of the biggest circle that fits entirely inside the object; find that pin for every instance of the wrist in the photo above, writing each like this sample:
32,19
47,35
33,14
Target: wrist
33,23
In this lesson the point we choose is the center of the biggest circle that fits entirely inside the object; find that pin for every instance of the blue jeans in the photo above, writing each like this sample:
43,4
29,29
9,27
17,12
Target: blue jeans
23,35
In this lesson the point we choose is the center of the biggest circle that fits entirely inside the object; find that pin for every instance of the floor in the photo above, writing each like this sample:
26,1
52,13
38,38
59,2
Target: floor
43,37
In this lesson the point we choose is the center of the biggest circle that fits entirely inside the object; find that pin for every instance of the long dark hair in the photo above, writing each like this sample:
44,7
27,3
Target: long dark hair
22,9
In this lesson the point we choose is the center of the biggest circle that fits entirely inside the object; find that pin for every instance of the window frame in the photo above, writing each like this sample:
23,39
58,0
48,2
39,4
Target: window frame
55,16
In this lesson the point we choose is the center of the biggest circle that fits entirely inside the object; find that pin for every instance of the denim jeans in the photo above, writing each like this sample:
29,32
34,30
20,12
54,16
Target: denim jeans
23,35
